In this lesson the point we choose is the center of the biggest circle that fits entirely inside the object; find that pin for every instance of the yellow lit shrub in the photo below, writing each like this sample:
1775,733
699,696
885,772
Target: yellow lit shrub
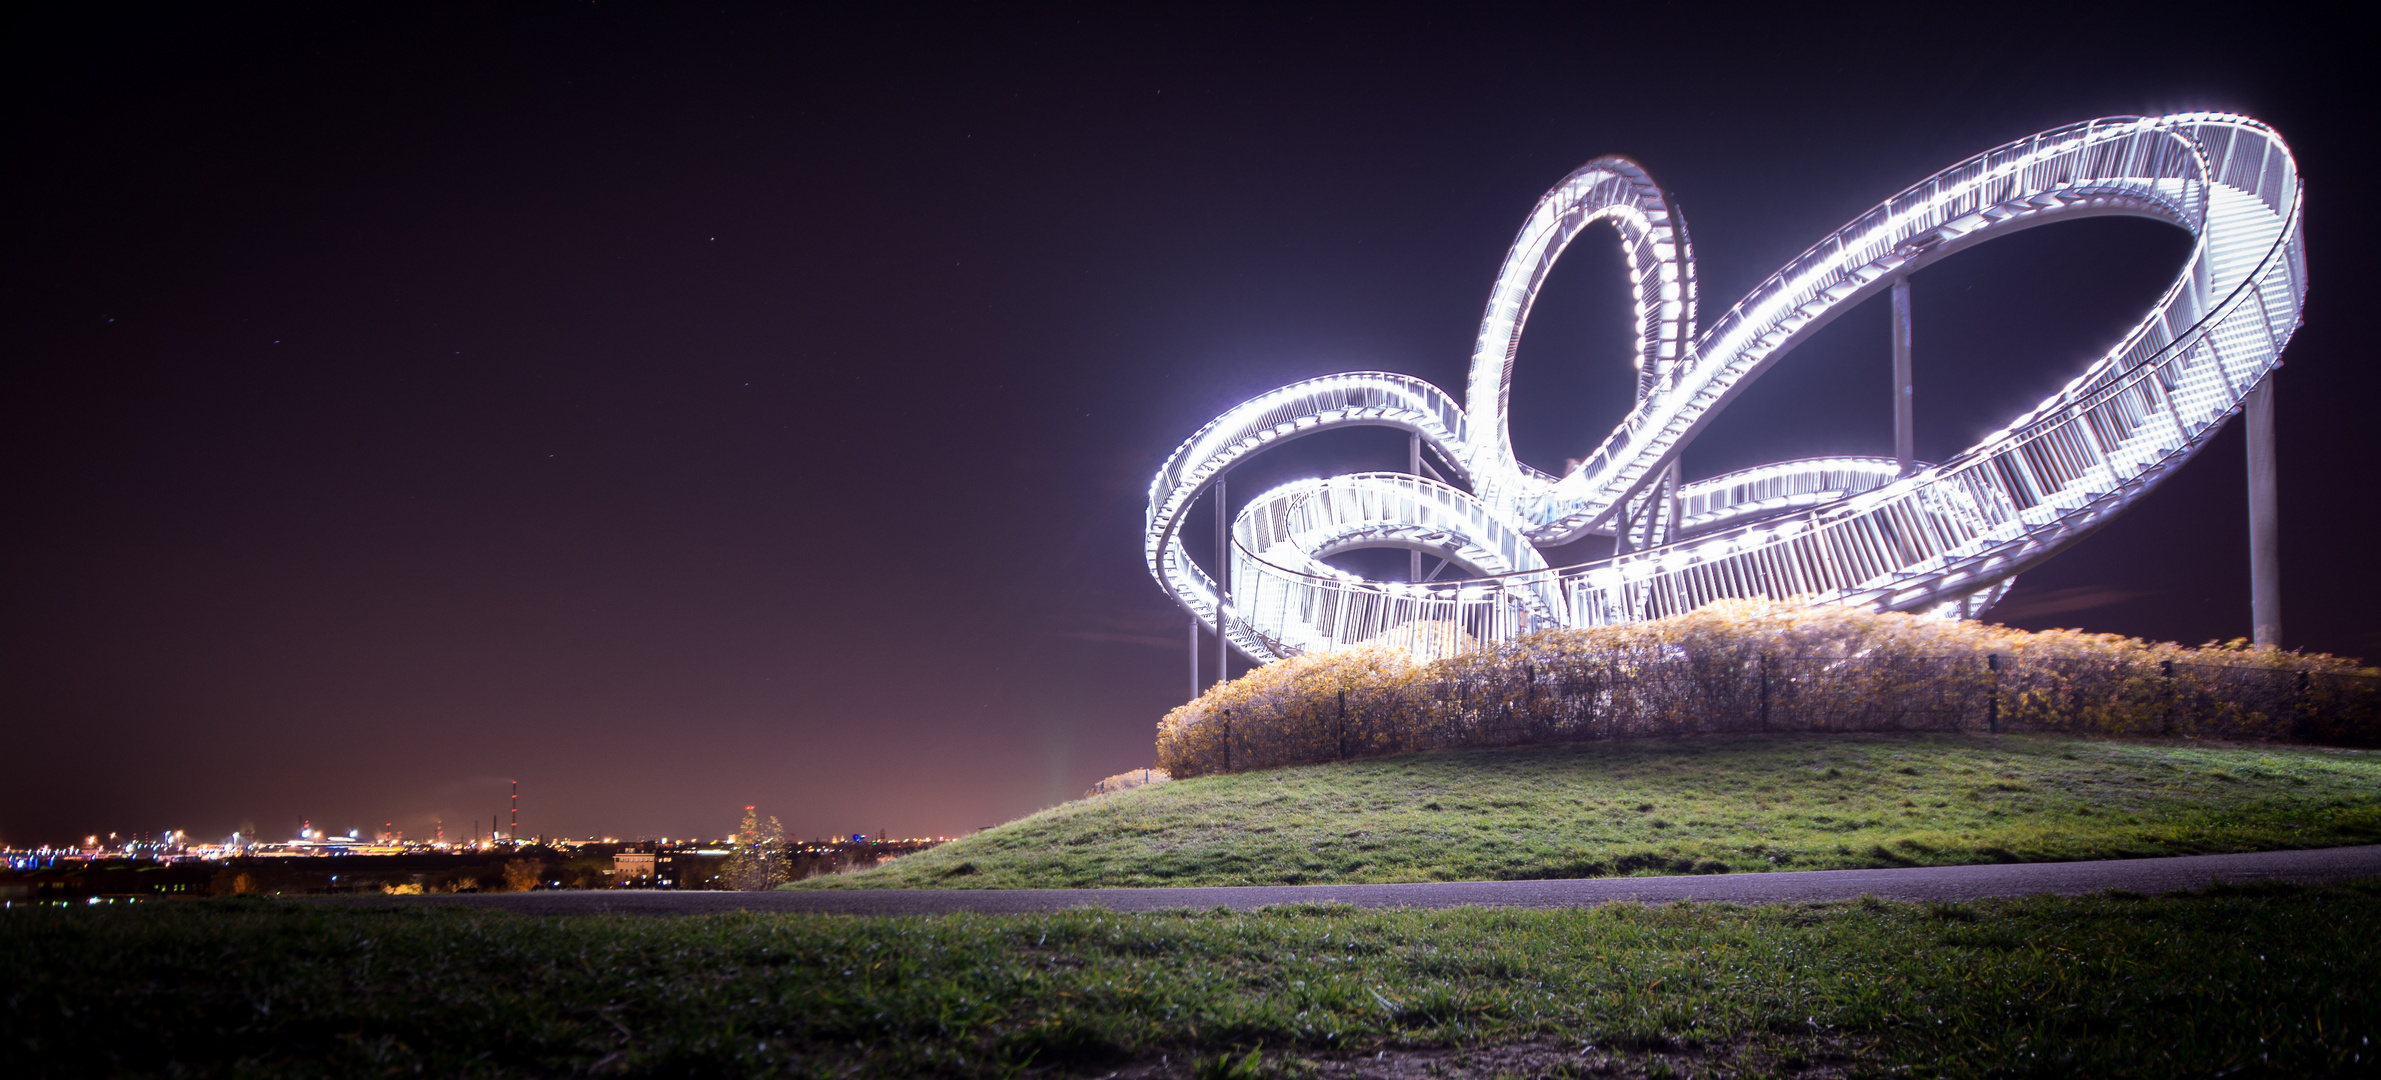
1752,666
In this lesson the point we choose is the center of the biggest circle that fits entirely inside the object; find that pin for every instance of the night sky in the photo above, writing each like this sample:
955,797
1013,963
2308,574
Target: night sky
679,410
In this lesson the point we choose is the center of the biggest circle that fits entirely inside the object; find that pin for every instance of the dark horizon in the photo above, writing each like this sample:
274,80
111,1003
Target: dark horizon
681,410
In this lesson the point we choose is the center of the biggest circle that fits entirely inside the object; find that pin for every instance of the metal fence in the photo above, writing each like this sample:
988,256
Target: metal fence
1487,700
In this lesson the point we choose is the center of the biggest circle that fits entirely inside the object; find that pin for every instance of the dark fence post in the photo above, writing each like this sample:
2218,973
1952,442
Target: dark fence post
1343,725
1992,706
1227,740
2166,722
1764,691
1529,696
2303,718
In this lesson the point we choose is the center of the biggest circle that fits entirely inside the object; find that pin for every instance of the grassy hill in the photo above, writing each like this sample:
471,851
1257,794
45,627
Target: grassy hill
2259,981
1674,806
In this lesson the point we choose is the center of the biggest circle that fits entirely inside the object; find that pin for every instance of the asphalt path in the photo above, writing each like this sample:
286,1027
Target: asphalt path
1777,887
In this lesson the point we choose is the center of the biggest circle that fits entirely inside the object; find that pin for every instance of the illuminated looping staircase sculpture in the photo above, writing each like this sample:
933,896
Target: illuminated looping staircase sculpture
1946,540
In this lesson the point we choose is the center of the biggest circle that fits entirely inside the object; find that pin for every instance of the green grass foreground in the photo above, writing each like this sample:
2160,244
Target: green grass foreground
1668,806
2277,980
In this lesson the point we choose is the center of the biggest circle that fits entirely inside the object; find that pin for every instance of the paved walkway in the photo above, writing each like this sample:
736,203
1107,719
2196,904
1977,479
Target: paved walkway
1802,886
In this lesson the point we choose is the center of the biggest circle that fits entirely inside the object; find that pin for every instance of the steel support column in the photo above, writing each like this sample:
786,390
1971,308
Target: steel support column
1904,438
1413,464
1223,581
2265,557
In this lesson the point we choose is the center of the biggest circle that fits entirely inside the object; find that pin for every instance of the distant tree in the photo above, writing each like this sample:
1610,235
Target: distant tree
521,875
758,862
232,881
587,872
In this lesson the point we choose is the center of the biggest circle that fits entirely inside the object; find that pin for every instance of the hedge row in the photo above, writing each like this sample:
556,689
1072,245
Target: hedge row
1746,667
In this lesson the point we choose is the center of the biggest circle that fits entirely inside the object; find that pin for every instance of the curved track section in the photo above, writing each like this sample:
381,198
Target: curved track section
1295,526
1768,490
1661,265
1842,530
1356,399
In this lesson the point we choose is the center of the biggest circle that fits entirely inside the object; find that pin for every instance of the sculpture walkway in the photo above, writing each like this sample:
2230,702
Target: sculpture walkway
1888,534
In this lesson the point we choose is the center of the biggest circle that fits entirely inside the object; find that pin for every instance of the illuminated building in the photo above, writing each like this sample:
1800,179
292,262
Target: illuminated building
634,868
1888,534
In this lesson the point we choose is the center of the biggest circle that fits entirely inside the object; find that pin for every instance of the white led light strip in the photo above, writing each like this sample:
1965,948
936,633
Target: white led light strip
1825,531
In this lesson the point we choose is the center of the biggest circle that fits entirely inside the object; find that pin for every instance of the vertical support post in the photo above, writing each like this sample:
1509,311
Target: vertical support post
1661,509
2265,556
1904,437
1194,659
1223,581
1413,464
1677,488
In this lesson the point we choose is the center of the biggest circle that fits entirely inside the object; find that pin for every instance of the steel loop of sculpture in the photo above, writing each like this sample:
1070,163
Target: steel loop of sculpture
1946,540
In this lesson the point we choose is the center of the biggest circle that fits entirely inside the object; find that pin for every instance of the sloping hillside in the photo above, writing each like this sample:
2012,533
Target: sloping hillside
1673,806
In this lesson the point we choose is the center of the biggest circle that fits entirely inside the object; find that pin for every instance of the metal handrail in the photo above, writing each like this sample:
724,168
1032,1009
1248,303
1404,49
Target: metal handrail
1935,540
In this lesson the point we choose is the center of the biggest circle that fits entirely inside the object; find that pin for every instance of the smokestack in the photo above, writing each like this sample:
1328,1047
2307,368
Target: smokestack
516,828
